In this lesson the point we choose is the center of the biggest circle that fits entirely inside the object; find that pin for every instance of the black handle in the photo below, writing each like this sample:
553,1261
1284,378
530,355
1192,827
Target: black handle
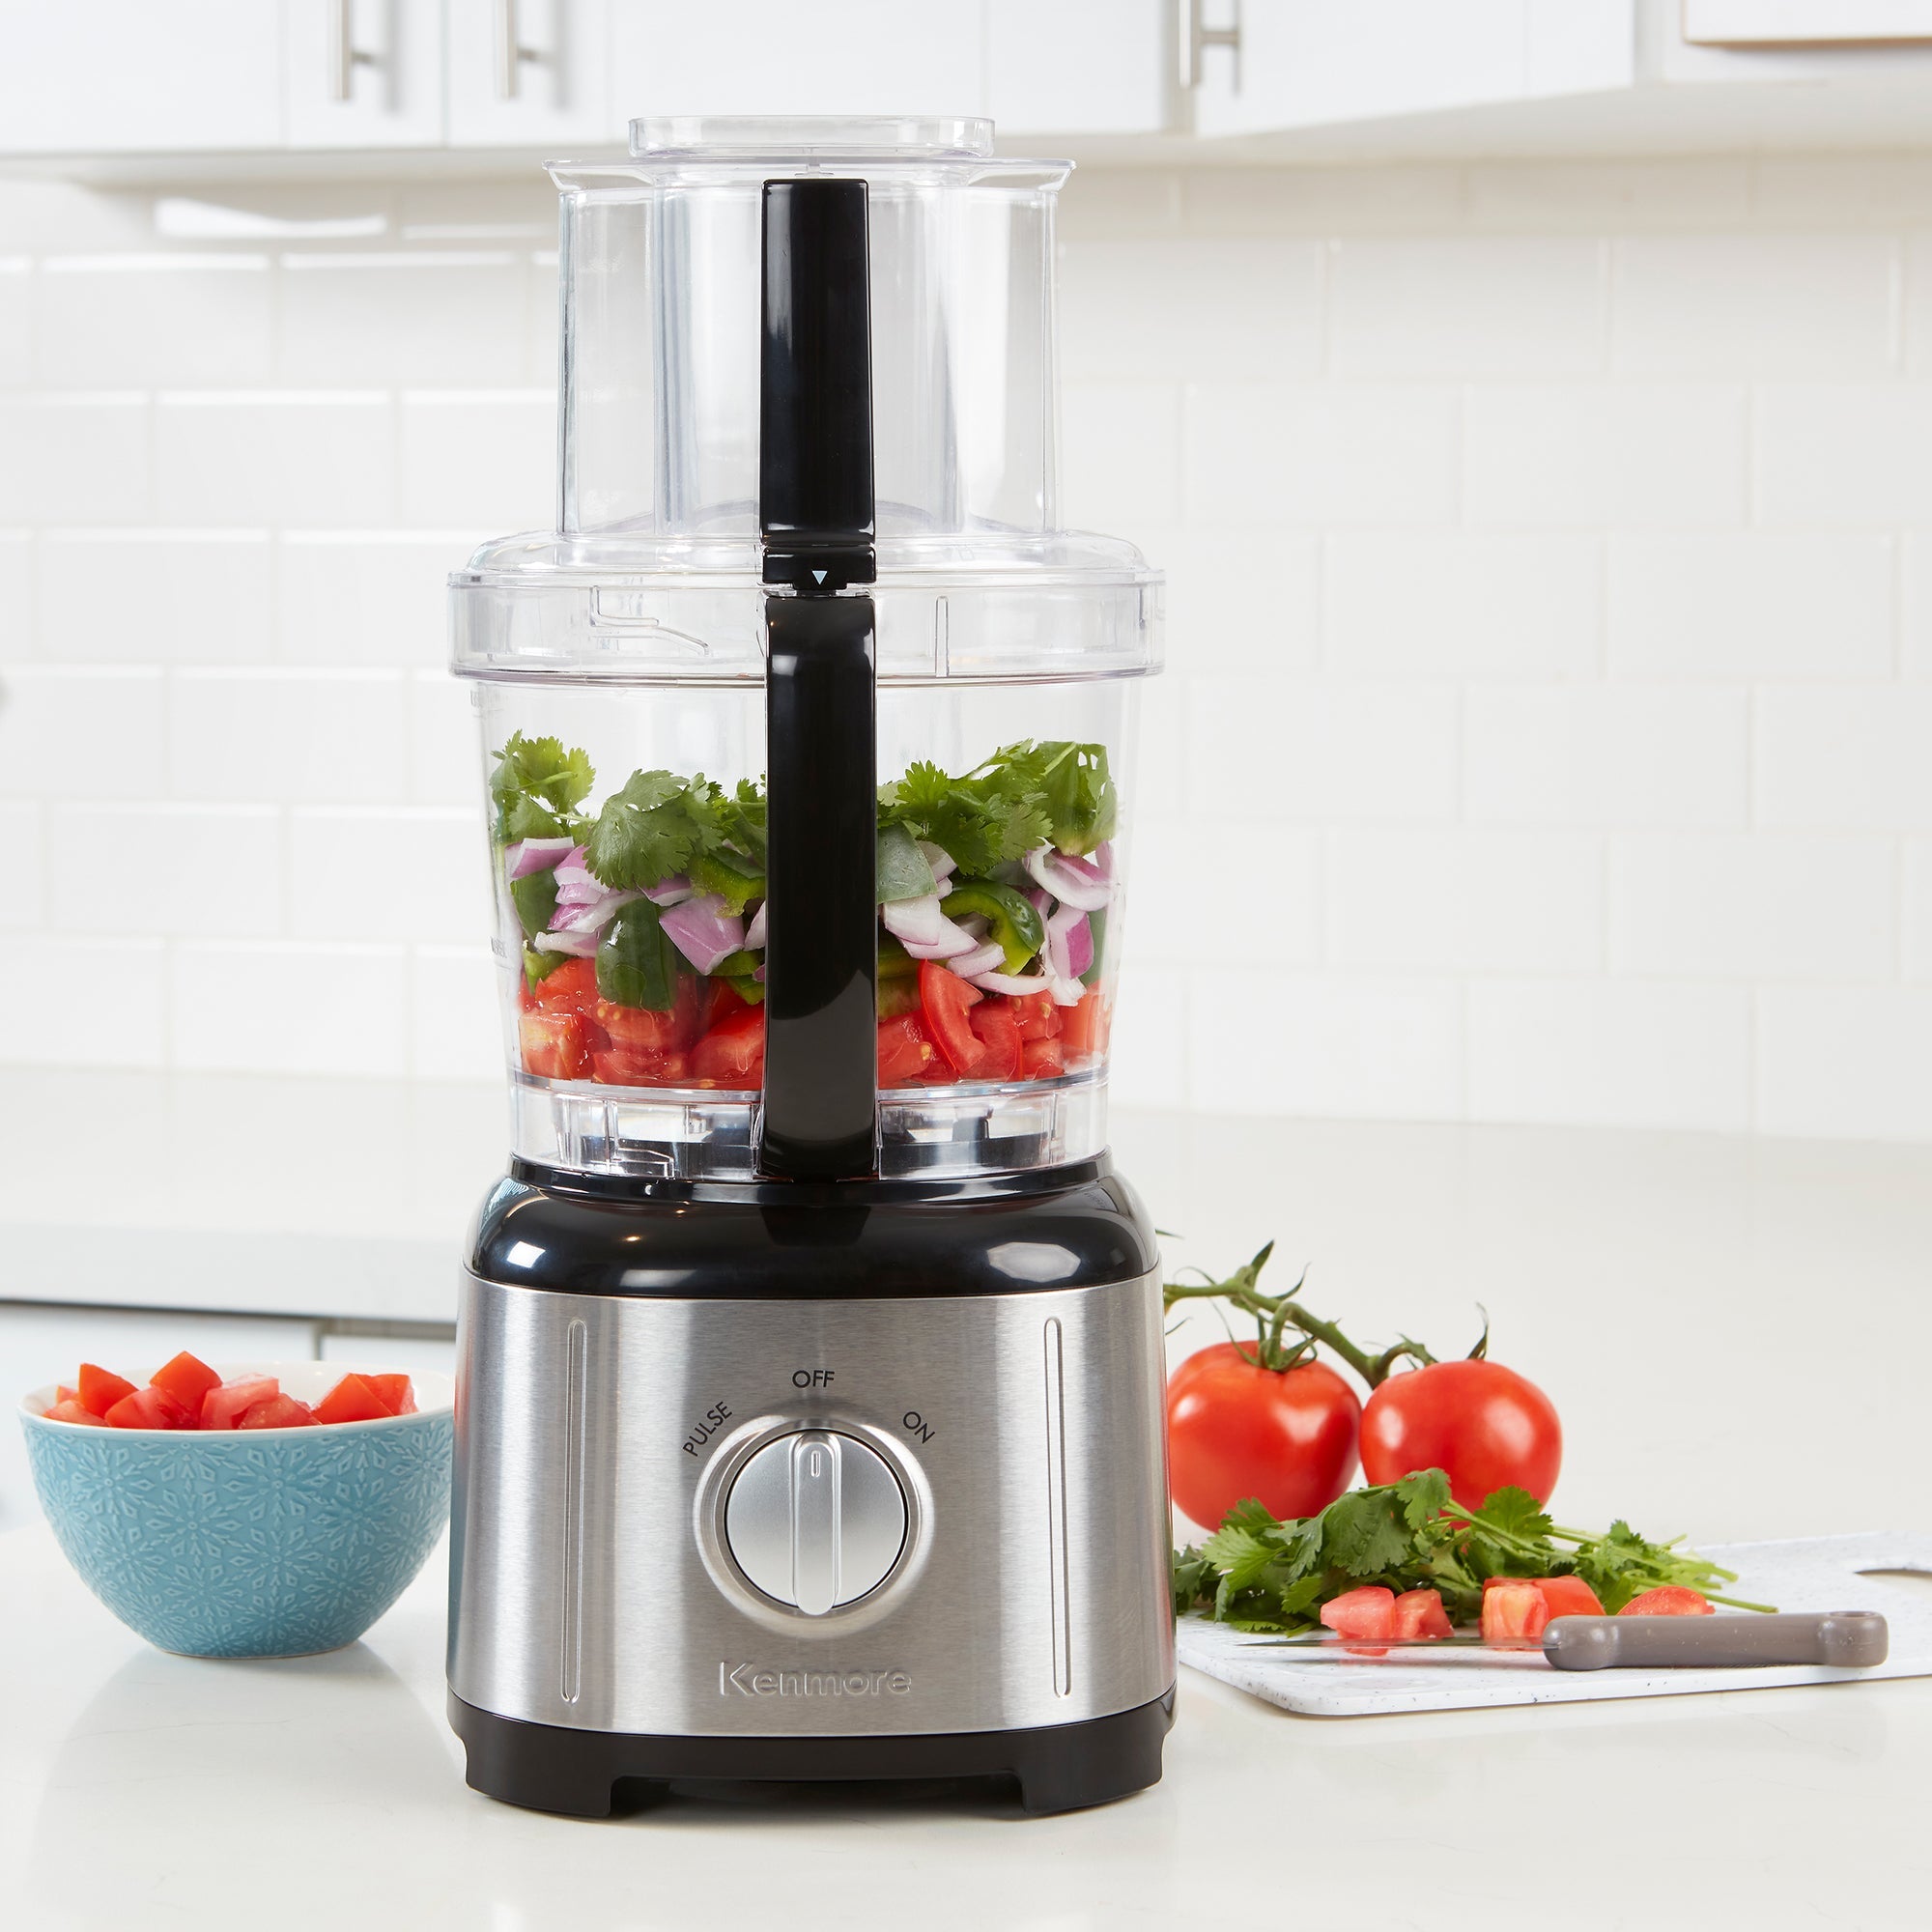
815,515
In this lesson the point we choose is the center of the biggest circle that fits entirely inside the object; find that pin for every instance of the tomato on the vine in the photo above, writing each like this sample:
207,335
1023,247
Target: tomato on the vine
1486,1426
1235,1430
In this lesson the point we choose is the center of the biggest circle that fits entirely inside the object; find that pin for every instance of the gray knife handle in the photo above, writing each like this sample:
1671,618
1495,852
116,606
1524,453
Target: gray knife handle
1856,1638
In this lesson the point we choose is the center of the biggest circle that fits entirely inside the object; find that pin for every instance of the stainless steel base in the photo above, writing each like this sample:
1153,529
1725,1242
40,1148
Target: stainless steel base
593,1587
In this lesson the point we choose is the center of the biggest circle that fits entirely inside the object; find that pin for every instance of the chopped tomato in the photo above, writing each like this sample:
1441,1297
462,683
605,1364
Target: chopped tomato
187,1378
1038,1016
998,1035
1367,1612
279,1411
556,1044
1043,1059
1420,1613
397,1391
1513,1611
626,1066
63,1393
571,987
1569,1597
1083,1029
350,1400
733,1054
220,1406
72,1409
150,1408
905,1053
1670,1599
719,1001
98,1390
944,998
640,1030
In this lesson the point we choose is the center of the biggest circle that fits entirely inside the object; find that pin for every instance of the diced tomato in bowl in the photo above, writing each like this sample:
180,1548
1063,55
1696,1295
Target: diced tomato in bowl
1670,1599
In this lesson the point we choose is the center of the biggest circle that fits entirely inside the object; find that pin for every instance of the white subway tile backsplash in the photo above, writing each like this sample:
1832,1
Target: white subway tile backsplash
1463,899
74,459
1360,453
483,457
405,316
1916,947
1751,605
1355,1048
1606,755
154,596
366,597
1148,1054
190,870
1122,465
1463,605
1240,601
1189,871
278,1007
17,293
1856,757
1850,1062
446,753
1839,454
307,736
415,872
23,907
456,1028
1261,750
1469,306
1138,310
278,456
1756,304
112,1008
1916,605
1741,907
1610,1053
16,594
158,320
1554,455
93,732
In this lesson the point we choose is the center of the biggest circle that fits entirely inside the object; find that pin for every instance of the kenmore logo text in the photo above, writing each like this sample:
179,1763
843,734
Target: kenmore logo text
752,1680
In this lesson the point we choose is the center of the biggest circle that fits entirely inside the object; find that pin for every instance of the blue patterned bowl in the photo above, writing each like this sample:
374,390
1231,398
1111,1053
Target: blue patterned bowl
248,1543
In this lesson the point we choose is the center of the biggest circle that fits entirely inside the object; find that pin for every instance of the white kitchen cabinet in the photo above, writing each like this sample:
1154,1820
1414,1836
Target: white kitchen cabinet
363,73
1771,24
1079,67
526,74
133,76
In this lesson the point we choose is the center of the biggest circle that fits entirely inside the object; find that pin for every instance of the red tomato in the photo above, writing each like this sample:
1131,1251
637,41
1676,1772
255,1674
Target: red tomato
1670,1599
1367,1612
571,987
733,1054
944,998
350,1400
1483,1424
1236,1430
1038,1016
639,1030
1420,1613
1569,1597
398,1391
1513,1611
279,1411
73,1409
1043,1059
98,1390
718,999
150,1408
998,1035
186,1378
1084,1027
220,1406
905,1053
556,1044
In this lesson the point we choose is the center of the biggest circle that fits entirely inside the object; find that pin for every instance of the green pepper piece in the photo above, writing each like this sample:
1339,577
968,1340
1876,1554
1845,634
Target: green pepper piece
539,966
894,961
1015,924
1096,924
736,879
636,965
737,966
903,870
535,896
751,991
896,997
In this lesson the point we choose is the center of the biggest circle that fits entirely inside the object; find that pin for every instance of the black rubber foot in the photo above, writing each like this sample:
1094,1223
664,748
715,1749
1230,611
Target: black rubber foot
1060,1768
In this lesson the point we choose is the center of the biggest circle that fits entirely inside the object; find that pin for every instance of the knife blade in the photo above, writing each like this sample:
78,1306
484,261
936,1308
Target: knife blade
1848,1640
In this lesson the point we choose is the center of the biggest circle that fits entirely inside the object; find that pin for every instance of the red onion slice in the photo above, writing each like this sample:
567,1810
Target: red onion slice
670,892
578,945
589,916
1070,943
706,930
944,864
573,869
982,959
754,934
1018,984
951,944
1068,886
534,855
1067,992
916,922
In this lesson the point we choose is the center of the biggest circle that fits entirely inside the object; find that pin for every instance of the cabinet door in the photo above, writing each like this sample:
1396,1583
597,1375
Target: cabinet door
1309,63
364,73
527,72
1077,67
780,57
133,76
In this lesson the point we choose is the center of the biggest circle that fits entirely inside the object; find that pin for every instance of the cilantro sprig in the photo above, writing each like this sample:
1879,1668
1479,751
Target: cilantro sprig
535,788
1261,1573
1024,795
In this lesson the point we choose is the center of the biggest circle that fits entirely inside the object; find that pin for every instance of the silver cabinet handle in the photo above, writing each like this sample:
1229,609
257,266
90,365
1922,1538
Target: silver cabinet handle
511,53
1196,37
344,56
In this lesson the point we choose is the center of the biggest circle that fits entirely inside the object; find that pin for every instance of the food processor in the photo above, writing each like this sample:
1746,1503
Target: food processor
808,1397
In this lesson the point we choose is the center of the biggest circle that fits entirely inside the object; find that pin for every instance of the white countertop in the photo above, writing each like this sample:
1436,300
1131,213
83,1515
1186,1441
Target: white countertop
137,1788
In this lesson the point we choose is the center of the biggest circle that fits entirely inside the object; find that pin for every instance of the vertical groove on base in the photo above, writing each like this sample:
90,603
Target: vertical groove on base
1056,1507
575,1411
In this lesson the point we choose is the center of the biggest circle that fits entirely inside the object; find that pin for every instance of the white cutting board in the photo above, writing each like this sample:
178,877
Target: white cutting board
1820,1572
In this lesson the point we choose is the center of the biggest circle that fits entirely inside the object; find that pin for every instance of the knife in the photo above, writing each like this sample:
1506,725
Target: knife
1850,1639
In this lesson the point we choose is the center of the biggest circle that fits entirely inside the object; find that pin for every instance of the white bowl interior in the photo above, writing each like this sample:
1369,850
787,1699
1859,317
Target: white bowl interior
307,1381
